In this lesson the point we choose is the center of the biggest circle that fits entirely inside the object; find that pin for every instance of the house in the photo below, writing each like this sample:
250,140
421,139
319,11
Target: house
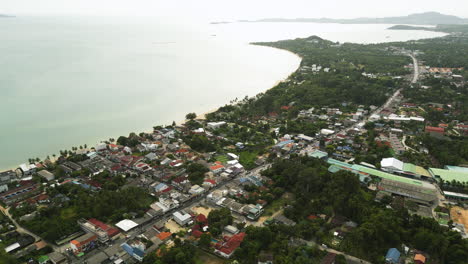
151,156
393,256
228,245
164,236
83,243
216,168
182,218
196,190
419,259
435,130
46,175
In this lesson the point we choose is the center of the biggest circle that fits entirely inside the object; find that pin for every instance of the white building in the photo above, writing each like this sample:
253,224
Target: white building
391,165
326,132
182,218
215,125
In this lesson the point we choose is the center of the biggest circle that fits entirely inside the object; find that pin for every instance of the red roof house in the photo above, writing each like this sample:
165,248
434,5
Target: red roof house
437,130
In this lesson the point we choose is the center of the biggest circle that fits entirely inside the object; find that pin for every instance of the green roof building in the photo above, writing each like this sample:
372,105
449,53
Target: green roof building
449,175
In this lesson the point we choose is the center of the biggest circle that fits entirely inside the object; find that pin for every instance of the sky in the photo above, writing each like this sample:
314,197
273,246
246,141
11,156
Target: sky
234,9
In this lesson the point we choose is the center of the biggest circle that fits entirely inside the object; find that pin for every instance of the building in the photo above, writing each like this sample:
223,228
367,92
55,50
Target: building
126,225
231,229
228,245
215,125
136,250
57,258
425,194
83,243
182,218
435,130
216,168
101,230
26,169
393,256
5,178
419,259
449,175
391,165
46,175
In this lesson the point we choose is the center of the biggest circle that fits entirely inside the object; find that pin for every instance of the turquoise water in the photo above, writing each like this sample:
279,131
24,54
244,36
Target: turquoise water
71,81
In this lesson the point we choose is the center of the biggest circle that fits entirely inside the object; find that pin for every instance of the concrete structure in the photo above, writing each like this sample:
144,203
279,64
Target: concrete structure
215,125
182,218
391,165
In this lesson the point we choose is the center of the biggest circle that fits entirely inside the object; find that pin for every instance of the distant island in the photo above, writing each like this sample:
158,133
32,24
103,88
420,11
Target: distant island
427,18
460,28
3,16
220,22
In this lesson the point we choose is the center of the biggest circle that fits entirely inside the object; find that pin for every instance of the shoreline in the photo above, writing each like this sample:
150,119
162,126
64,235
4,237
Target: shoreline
201,116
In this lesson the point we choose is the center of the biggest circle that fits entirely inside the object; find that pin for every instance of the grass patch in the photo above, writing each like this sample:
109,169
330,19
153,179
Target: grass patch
204,257
248,158
276,205
222,158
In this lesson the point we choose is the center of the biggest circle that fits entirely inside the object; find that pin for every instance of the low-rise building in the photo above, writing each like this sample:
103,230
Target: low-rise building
182,218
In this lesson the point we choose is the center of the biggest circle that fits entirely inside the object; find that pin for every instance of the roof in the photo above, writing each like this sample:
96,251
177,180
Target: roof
318,154
126,225
456,168
449,175
435,129
181,217
389,176
418,170
393,254
391,162
164,235
216,167
420,257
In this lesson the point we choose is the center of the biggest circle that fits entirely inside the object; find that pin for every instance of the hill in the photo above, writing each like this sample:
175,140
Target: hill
428,18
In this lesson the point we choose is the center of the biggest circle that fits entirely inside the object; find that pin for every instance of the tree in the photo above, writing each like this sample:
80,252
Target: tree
218,219
191,116
205,240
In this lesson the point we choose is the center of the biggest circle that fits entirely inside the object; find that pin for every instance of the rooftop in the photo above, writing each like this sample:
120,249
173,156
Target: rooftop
449,175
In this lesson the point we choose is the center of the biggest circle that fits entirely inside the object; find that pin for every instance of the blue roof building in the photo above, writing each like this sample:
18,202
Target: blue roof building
393,256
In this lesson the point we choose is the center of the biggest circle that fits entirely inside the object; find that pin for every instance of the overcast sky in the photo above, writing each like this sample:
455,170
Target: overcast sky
236,9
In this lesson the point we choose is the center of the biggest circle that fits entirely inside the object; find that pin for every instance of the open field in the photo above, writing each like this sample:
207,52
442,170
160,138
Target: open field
202,210
459,215
206,258
173,226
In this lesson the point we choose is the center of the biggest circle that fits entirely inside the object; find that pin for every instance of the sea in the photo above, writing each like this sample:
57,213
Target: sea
70,81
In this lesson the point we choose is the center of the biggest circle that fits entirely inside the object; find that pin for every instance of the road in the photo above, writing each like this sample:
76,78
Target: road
415,68
20,229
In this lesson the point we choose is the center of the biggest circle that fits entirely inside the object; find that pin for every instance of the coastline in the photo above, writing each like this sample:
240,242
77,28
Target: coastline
201,116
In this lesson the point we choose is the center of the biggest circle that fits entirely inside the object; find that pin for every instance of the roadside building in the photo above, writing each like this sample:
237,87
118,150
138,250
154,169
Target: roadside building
101,230
83,243
182,218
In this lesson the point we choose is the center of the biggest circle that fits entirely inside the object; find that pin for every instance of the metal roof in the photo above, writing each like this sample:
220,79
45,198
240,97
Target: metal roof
449,175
